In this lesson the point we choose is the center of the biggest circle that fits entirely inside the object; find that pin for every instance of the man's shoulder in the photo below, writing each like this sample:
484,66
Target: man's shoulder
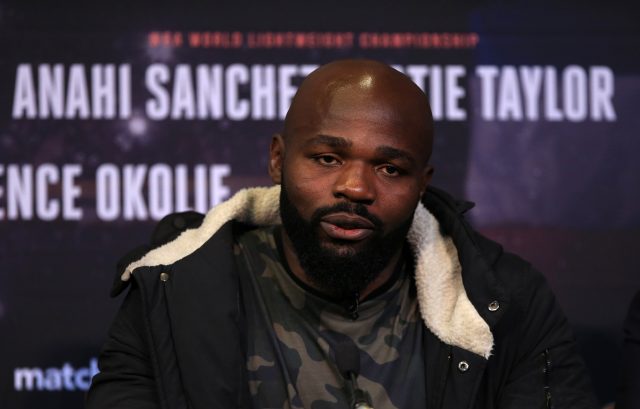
167,231
450,213
485,261
172,225
178,236
516,274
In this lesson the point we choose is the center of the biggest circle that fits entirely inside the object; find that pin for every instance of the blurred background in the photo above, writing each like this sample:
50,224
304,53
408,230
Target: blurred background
113,115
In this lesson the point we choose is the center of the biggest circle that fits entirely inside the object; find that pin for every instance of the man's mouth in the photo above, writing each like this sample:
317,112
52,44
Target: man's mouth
346,226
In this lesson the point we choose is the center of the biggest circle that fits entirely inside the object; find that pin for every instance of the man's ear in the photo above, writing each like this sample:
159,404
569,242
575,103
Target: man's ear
276,157
427,174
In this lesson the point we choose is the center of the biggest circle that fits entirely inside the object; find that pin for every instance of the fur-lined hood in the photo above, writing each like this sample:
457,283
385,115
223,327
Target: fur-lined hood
444,304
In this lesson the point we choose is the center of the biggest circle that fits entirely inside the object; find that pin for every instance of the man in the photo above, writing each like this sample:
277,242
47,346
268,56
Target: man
241,310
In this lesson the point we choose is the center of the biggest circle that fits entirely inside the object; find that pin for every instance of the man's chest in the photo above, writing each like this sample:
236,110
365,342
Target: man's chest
292,337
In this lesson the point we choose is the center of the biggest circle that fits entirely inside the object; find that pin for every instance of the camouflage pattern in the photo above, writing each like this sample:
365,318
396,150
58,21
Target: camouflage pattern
292,333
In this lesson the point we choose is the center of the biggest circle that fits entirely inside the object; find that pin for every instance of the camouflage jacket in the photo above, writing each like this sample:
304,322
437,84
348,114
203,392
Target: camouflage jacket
495,335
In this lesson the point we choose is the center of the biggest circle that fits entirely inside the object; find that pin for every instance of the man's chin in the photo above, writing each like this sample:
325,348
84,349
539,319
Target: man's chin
343,248
339,251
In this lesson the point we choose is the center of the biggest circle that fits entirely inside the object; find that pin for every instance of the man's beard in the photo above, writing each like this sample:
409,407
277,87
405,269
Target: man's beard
340,270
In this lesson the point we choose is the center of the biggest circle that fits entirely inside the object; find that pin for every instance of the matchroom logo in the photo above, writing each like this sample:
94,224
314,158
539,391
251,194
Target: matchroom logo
65,378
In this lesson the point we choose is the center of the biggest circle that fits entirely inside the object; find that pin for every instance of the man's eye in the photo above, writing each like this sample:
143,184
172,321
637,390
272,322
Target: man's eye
390,170
326,160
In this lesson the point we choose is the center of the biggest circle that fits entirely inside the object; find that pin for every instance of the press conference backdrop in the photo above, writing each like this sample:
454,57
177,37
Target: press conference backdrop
113,116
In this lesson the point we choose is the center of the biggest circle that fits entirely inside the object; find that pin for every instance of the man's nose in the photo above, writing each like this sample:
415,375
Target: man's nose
355,183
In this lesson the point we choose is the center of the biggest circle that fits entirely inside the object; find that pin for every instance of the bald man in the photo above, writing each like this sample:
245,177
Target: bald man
348,283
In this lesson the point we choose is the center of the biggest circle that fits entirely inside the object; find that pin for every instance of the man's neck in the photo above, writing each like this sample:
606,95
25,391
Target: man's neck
297,270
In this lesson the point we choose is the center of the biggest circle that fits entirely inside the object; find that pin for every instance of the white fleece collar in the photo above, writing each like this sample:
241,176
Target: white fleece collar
444,305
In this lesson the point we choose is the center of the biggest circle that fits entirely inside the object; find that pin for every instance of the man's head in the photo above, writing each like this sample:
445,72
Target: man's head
353,164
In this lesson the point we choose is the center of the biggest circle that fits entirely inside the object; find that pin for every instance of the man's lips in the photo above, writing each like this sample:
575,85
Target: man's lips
346,226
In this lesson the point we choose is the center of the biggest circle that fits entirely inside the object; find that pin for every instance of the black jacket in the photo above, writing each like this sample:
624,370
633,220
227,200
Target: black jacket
495,336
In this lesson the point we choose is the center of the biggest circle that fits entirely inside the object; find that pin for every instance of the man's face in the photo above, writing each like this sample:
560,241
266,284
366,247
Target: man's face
351,176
